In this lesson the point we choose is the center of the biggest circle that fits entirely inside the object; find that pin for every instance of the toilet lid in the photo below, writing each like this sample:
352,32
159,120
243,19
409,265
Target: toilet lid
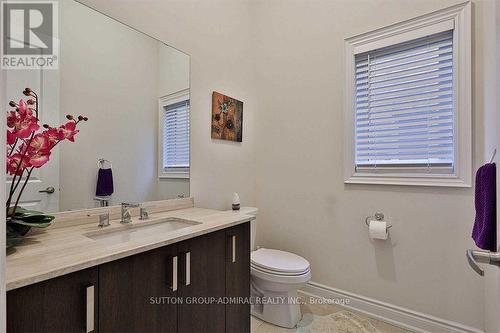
279,261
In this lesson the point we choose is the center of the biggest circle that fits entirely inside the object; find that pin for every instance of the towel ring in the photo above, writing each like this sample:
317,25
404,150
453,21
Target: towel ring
102,161
378,217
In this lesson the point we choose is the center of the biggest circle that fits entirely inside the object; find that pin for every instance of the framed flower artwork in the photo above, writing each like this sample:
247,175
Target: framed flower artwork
227,118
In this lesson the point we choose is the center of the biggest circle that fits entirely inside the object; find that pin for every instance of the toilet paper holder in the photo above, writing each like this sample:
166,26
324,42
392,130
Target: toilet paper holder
378,217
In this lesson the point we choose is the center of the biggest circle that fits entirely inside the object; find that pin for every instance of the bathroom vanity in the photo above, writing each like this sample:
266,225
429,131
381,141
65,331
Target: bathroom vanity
78,277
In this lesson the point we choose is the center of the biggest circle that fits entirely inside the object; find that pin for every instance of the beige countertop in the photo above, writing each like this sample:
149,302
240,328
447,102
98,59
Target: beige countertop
58,251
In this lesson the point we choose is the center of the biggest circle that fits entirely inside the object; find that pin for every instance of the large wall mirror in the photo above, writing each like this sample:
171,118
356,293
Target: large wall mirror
134,90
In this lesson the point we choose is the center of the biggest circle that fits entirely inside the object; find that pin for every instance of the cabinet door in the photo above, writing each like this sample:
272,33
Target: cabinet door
63,304
202,284
238,277
136,293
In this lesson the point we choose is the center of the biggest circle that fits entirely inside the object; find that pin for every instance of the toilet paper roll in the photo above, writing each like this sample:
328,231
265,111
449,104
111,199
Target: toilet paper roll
377,229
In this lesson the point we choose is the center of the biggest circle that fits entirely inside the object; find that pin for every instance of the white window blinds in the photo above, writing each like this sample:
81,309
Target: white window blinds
176,136
405,106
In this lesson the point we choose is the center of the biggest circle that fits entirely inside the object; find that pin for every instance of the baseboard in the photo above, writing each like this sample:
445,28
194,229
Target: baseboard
396,315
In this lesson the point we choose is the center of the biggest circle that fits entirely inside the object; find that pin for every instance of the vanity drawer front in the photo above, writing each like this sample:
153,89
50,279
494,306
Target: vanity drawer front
56,305
202,283
135,292
238,277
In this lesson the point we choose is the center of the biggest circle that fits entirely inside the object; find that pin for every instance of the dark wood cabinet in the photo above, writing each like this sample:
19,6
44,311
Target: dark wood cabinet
136,291
238,277
56,305
183,287
202,284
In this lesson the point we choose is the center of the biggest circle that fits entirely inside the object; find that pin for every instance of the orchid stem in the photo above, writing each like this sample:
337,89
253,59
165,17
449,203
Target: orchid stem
17,184
22,189
13,147
11,193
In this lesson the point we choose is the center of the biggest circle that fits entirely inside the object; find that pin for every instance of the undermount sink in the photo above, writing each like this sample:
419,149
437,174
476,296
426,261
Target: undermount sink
136,231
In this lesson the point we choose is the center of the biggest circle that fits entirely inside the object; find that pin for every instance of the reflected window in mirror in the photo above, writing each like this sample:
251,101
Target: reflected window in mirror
174,135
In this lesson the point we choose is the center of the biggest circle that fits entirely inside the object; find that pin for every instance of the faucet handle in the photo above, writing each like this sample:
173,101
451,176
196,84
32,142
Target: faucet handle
103,216
143,214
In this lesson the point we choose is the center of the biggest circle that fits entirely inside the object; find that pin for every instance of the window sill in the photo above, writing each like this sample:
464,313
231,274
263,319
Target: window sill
174,175
408,180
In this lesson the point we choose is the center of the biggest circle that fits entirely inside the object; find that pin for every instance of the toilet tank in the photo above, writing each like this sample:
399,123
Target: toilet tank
253,211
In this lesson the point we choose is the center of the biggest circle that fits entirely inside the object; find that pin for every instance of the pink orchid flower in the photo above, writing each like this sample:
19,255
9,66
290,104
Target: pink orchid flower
25,126
11,138
11,119
54,135
23,109
40,142
69,130
38,158
22,121
38,151
13,164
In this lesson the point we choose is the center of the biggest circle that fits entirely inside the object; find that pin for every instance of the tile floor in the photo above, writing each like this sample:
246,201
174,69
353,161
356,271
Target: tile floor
317,311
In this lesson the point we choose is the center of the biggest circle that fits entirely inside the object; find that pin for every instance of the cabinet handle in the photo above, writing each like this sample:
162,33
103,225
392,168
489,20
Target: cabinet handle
188,268
174,273
233,242
89,325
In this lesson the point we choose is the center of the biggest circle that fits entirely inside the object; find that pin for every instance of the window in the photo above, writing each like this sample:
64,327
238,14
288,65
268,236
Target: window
404,104
174,136
408,118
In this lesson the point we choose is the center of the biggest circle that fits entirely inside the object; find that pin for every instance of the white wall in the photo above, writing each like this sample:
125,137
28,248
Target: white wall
305,206
216,35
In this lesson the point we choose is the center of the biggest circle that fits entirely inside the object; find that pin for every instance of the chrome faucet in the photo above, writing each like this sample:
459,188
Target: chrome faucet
103,217
126,217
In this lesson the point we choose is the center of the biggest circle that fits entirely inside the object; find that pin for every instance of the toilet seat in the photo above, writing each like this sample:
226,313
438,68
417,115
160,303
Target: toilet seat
269,271
278,262
280,278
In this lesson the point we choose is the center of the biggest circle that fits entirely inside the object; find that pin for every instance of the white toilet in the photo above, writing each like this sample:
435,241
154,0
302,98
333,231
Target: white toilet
275,277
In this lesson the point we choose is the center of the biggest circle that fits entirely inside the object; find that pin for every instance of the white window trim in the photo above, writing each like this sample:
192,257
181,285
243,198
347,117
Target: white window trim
179,96
459,17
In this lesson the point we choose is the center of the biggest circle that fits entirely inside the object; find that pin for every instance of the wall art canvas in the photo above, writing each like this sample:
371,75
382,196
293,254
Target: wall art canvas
227,118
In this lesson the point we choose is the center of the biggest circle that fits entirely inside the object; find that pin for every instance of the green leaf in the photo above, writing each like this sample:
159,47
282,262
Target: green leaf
35,218
34,224
20,210
26,212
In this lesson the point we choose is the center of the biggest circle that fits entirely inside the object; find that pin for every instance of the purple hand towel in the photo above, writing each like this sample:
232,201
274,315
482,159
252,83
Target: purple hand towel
484,232
104,183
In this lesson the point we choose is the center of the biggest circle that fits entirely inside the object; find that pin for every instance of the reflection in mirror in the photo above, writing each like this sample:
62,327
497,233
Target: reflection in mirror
135,91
